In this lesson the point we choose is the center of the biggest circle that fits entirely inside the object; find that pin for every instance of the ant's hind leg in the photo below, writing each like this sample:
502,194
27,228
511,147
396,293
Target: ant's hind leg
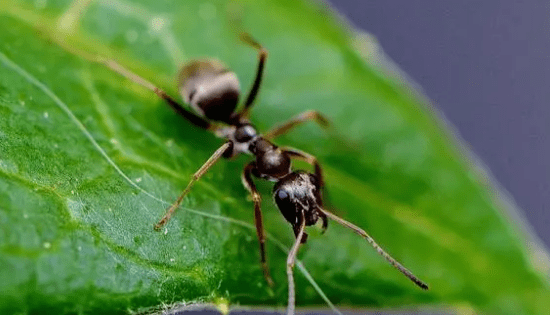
262,56
249,185
177,107
297,120
228,146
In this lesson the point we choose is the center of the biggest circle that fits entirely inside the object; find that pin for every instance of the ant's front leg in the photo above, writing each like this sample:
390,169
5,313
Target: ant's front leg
251,187
226,147
297,120
291,259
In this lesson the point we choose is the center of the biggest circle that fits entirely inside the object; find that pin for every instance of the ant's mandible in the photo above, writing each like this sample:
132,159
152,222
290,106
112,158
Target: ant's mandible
212,90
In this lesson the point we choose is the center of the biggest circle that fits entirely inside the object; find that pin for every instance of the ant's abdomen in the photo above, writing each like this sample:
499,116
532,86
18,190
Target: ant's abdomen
210,88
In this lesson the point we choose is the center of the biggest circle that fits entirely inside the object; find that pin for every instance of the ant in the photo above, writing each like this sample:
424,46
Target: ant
213,91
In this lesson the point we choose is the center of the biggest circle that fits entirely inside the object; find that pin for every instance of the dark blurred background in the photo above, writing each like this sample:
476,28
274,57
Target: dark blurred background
486,66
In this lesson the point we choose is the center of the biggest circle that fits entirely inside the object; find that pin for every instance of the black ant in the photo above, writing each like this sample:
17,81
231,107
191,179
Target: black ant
212,90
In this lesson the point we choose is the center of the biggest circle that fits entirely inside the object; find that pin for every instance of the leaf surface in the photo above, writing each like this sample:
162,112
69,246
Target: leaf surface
89,161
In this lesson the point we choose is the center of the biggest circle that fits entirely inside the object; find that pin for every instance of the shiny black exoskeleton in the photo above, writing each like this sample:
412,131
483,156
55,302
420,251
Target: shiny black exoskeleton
298,195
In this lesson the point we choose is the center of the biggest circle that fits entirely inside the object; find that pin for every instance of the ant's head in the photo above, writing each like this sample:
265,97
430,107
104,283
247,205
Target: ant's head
297,193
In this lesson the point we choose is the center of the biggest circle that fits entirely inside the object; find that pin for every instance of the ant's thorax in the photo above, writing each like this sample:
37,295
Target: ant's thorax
272,163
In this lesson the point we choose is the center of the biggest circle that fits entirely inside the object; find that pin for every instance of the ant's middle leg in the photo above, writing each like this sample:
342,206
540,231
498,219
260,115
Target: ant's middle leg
251,187
228,146
262,56
297,120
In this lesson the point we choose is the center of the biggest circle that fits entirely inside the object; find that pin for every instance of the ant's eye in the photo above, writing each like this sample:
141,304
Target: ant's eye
282,199
282,195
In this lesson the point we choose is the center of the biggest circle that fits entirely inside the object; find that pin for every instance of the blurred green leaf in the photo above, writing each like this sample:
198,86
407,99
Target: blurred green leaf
89,160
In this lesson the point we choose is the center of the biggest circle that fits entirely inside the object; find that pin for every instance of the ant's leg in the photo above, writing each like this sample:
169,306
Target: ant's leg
295,121
198,174
115,66
177,107
295,153
318,173
262,56
249,184
290,267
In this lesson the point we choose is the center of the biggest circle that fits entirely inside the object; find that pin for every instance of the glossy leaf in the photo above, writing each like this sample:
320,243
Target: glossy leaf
89,161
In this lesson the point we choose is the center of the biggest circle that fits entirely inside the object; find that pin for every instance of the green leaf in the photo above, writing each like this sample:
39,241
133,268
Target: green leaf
89,161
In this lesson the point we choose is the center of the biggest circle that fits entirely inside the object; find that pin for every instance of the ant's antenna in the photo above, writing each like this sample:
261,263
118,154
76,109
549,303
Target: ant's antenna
379,249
